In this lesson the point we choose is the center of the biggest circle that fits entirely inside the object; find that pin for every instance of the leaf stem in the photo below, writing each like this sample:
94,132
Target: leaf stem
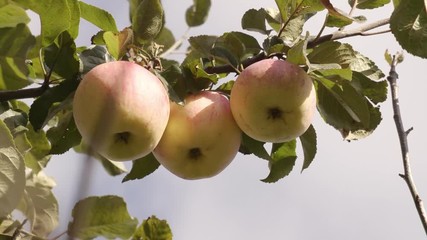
403,139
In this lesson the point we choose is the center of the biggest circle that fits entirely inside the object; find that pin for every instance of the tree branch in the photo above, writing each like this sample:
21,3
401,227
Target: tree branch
7,95
407,175
230,69
360,31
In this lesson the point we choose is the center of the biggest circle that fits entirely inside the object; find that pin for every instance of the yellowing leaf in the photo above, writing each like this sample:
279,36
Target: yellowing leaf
105,216
12,172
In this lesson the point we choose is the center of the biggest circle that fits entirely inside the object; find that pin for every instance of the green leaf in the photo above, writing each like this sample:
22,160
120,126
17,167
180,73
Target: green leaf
142,167
338,20
343,54
359,131
233,47
254,20
116,43
408,23
309,146
40,107
112,167
13,119
56,17
226,87
165,78
344,93
203,44
153,229
283,157
197,14
105,216
15,44
365,66
331,108
298,53
332,52
62,57
39,205
368,4
16,122
252,146
283,6
64,135
12,15
92,57
8,228
98,17
274,44
133,5
289,8
12,172
195,78
293,29
165,38
147,22
113,44
375,91
38,156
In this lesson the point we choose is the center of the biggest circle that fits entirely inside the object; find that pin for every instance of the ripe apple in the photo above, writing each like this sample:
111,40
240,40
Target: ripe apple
121,110
201,138
273,101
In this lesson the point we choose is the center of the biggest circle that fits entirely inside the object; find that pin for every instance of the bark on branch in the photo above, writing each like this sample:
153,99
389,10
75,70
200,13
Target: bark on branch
403,139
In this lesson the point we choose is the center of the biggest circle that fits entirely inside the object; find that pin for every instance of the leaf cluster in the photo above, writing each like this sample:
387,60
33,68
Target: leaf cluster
350,88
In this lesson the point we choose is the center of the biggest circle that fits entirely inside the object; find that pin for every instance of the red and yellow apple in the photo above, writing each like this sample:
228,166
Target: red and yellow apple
121,110
273,101
201,138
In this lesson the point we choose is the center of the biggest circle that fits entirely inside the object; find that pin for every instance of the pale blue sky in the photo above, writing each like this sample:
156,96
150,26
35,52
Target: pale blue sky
351,191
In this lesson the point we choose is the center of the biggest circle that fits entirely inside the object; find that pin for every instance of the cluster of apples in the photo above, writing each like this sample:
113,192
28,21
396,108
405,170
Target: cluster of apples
123,112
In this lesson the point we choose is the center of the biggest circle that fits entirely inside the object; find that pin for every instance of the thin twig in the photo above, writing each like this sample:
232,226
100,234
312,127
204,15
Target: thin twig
407,175
176,44
353,8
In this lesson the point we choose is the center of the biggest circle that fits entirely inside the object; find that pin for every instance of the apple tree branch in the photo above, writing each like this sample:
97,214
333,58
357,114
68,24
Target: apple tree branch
403,139
6,95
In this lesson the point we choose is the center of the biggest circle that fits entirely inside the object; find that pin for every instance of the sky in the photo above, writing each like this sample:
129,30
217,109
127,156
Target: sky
351,190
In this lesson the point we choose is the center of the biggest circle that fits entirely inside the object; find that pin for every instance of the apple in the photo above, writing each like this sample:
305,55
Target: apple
121,110
201,138
273,101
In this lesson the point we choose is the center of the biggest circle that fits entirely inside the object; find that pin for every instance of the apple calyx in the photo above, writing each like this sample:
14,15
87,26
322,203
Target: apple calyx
201,138
194,153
